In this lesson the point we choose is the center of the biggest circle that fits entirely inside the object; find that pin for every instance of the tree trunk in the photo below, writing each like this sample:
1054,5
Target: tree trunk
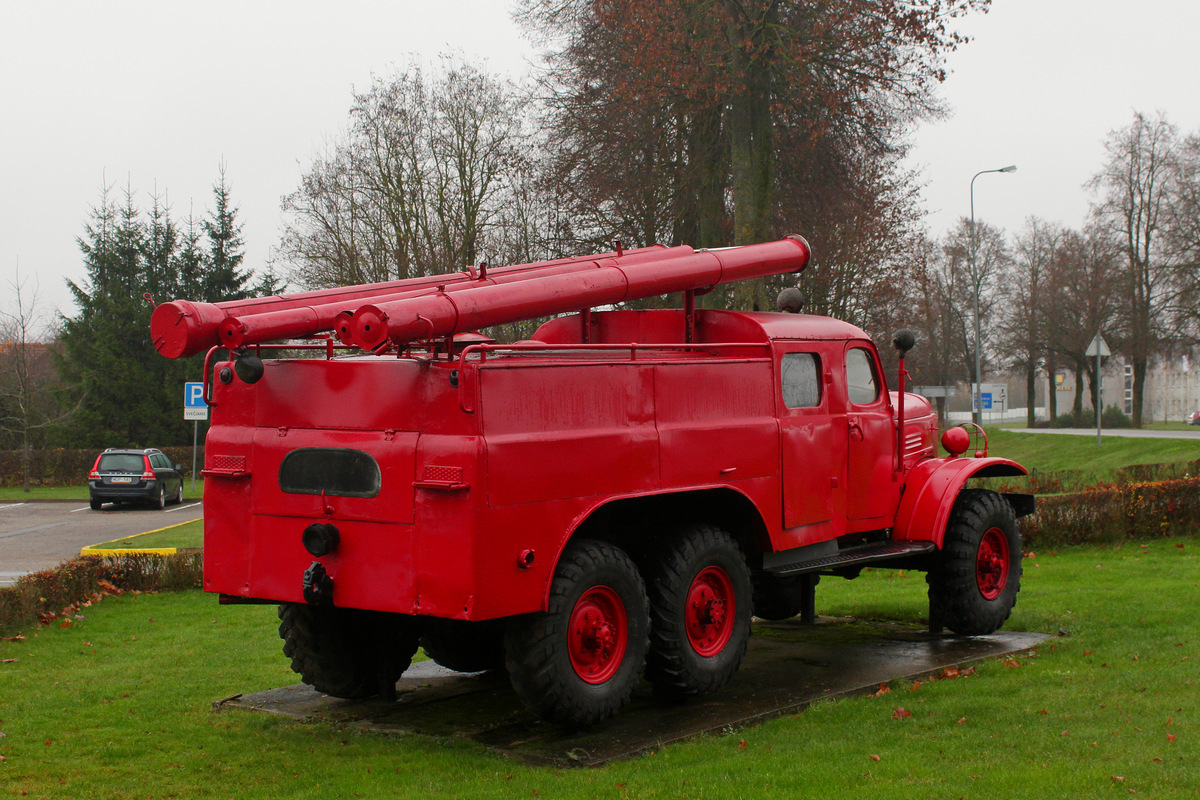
1031,394
1052,391
25,455
1139,387
710,175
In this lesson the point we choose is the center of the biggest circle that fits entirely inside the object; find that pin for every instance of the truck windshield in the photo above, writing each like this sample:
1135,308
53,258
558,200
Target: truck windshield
329,470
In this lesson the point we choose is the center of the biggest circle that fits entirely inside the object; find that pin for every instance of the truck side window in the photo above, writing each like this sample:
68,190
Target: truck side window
860,377
801,376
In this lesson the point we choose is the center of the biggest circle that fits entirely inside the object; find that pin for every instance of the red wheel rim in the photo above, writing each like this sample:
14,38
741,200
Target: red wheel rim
597,634
710,611
991,564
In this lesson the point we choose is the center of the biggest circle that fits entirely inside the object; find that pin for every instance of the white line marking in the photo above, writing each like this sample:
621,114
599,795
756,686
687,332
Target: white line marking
76,511
180,508
13,505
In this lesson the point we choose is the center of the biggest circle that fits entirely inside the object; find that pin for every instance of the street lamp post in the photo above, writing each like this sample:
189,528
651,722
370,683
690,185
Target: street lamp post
977,390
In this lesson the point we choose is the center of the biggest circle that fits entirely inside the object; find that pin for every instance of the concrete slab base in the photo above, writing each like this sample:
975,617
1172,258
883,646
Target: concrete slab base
787,666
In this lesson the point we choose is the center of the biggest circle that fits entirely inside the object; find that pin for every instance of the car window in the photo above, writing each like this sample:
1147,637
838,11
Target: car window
860,377
121,462
800,374
161,461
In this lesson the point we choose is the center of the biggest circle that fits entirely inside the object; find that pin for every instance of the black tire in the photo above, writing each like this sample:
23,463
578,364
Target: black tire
160,499
95,504
778,598
974,583
577,663
700,609
179,494
345,652
464,646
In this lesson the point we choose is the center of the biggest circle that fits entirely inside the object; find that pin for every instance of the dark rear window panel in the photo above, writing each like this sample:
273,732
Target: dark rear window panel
122,462
334,471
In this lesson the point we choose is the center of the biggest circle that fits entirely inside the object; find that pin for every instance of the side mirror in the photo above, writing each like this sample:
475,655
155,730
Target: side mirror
904,341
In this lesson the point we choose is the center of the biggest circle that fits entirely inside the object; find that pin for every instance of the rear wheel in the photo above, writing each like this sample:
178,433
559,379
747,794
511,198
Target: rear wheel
464,646
160,498
700,608
346,652
973,586
577,663
95,503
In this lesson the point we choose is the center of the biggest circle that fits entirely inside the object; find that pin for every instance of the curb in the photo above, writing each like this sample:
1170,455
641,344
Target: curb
91,549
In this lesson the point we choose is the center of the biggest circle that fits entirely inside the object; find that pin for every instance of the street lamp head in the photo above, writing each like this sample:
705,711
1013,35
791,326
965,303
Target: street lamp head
1009,168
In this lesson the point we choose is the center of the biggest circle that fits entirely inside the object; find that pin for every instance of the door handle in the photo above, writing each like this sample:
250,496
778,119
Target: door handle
856,431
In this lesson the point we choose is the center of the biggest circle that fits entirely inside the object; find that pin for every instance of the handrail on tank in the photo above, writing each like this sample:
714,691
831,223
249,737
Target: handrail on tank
633,348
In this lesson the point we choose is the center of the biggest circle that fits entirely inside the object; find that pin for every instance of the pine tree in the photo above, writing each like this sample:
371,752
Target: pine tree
223,279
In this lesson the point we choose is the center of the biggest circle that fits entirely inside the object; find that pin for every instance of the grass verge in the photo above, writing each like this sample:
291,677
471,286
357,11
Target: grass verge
1050,453
16,494
184,536
117,704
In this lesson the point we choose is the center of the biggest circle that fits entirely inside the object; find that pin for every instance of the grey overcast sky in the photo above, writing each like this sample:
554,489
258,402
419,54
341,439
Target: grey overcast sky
155,94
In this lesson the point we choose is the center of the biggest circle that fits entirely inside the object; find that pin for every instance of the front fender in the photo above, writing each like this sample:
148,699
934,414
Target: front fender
932,487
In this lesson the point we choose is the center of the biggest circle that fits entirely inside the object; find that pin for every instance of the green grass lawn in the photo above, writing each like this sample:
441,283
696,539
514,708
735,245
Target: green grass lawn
118,705
16,494
183,535
1049,453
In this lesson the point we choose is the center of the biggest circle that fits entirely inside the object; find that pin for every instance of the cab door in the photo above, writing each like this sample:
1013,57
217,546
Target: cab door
812,440
872,488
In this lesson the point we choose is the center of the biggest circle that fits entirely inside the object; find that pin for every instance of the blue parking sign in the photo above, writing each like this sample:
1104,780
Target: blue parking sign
194,406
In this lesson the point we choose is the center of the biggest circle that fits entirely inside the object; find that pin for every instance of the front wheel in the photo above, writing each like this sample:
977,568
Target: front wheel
576,663
700,608
973,586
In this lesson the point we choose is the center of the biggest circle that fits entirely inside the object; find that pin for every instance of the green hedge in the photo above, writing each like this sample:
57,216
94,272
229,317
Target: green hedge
70,467
1116,513
53,596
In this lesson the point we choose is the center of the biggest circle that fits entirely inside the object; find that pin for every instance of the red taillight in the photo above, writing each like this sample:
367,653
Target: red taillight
148,475
94,475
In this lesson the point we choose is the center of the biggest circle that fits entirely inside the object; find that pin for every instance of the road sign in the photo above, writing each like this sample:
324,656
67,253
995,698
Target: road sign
1098,348
194,406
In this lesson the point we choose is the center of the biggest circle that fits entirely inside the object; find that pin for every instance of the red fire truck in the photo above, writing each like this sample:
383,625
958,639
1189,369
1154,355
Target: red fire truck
609,500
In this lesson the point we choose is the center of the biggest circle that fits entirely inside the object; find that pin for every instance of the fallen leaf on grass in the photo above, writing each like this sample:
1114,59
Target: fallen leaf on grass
883,689
901,713
874,758
1171,738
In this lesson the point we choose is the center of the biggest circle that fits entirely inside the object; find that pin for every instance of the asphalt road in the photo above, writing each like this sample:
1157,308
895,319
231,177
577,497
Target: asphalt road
40,535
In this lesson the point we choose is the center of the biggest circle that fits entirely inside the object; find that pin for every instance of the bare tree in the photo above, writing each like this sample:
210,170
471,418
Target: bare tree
980,295
27,404
1083,283
1137,183
1024,318
417,185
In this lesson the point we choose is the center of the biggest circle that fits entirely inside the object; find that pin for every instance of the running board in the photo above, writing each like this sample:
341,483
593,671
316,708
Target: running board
862,554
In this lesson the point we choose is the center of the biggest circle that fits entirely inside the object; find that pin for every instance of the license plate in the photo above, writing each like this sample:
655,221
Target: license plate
122,480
